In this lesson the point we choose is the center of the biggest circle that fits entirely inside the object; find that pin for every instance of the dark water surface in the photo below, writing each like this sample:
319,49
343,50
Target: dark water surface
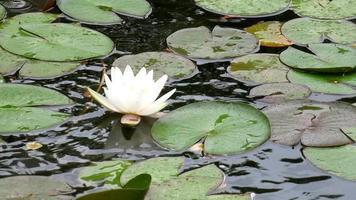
274,172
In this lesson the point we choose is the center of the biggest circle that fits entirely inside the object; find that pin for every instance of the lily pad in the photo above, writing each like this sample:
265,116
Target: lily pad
325,83
33,188
269,34
33,38
2,12
305,31
325,58
321,9
2,80
314,124
108,172
279,92
104,11
221,43
244,9
339,161
259,68
176,67
227,128
168,184
17,113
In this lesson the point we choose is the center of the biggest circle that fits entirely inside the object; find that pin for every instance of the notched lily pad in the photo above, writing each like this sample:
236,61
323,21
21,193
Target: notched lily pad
305,31
325,9
325,58
279,92
226,128
176,67
269,34
219,44
104,11
313,123
33,188
258,68
339,161
343,84
244,9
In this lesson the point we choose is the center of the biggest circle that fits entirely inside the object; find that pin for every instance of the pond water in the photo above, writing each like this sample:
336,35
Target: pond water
272,171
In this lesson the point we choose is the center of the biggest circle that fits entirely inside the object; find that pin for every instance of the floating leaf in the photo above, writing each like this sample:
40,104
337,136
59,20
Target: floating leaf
228,128
258,68
52,42
325,58
305,31
176,67
269,34
325,83
167,184
322,9
16,118
2,12
135,189
279,92
103,11
314,124
33,188
221,43
339,161
108,172
244,9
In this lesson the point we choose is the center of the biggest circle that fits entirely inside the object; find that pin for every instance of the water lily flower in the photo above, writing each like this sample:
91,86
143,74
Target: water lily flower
131,95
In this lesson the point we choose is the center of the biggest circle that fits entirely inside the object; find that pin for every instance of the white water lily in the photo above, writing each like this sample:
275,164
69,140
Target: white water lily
133,95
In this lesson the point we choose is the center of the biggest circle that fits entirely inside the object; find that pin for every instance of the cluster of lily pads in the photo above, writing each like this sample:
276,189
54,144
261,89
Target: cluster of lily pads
35,46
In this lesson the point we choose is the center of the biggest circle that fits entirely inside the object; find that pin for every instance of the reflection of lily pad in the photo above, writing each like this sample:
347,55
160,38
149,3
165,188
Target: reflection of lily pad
325,58
17,113
2,12
161,63
221,43
52,42
166,184
312,123
10,63
279,92
243,8
310,31
325,83
321,9
339,161
269,34
104,11
227,128
258,68
33,188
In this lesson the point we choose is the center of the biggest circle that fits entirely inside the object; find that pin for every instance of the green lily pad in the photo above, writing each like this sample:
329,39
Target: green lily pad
227,128
269,33
339,161
254,69
104,11
279,92
35,69
322,9
305,31
325,58
245,9
108,172
2,12
311,123
52,41
221,43
33,188
176,67
17,113
168,184
325,83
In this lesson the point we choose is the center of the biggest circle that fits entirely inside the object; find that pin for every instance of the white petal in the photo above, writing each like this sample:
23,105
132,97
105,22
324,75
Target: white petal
116,100
108,82
158,105
141,74
116,76
128,73
102,100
